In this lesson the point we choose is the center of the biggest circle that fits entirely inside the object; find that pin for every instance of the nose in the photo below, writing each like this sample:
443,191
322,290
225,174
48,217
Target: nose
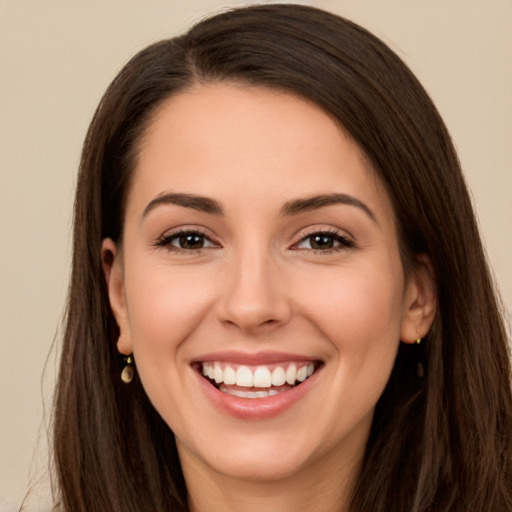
254,296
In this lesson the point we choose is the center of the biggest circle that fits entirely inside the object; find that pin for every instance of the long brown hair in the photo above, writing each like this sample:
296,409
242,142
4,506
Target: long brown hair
441,442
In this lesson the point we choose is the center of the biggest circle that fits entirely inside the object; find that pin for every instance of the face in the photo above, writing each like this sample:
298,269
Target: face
260,249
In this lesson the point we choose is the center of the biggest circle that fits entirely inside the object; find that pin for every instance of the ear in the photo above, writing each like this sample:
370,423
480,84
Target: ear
420,301
114,276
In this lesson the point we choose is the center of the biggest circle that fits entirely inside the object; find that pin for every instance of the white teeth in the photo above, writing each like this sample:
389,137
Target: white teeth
258,377
236,392
217,373
302,374
229,375
262,377
249,394
291,374
244,377
278,376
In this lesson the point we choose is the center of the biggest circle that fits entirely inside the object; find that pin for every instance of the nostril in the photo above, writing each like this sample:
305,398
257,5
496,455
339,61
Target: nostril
250,324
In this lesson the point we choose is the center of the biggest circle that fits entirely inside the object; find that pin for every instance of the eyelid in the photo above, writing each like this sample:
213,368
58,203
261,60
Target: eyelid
176,237
164,241
346,240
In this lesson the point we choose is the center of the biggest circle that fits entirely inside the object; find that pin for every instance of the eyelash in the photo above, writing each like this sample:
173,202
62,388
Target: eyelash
344,242
166,241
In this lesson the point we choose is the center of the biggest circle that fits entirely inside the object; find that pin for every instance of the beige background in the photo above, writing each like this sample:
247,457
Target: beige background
56,59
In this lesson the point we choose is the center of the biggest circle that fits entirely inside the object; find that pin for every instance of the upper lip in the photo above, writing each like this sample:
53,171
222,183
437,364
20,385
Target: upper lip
253,359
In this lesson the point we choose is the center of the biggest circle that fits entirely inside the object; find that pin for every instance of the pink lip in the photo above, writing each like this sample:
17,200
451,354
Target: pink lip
255,408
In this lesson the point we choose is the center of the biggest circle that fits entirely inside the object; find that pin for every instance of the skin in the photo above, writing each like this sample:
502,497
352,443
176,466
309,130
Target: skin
258,284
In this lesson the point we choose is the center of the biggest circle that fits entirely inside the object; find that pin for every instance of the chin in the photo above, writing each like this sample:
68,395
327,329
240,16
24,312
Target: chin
258,460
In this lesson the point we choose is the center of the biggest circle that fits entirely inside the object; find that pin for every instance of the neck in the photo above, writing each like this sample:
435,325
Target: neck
318,487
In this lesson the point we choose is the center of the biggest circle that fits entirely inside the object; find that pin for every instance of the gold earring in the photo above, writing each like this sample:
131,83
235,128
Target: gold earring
418,341
128,370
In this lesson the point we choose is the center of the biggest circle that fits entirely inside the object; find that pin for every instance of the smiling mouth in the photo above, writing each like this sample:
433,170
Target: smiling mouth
260,381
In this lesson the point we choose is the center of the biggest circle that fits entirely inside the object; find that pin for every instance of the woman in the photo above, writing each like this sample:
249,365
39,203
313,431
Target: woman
279,297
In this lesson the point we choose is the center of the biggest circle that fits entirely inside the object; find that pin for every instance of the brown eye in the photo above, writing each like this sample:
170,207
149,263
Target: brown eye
321,242
190,241
186,241
324,241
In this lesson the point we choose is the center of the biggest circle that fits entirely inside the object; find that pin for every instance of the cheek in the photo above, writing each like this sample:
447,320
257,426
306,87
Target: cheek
358,310
164,305
359,314
356,307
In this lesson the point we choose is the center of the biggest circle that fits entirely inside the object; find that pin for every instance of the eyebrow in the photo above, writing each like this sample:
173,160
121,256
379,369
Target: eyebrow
199,203
306,204
290,208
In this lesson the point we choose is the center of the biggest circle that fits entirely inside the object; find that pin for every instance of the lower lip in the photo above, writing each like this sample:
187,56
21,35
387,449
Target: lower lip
256,408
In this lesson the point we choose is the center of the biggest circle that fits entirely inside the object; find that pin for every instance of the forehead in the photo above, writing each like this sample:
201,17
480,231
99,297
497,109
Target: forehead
239,140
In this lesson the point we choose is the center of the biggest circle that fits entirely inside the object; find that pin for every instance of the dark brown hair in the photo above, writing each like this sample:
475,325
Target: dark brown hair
438,443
